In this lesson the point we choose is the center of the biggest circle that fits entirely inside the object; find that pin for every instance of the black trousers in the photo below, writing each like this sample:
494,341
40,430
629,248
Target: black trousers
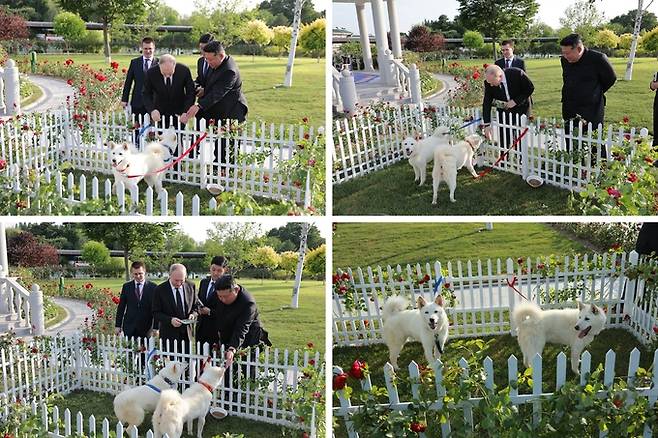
655,119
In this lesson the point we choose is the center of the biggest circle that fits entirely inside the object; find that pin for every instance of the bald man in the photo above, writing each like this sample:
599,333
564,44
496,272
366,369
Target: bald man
168,90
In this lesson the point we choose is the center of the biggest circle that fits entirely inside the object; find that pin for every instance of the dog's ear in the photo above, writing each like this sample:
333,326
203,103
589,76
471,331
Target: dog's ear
421,302
175,367
581,306
125,146
109,144
439,300
595,310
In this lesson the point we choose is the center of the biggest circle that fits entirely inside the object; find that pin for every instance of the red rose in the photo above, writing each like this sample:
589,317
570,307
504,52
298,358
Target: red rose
114,65
345,276
417,427
311,362
306,136
446,285
655,329
627,136
3,164
310,345
476,76
70,82
626,119
357,369
68,61
614,192
266,178
305,435
615,246
115,300
541,266
339,381
618,402
297,183
335,278
124,70
485,65
632,177
305,119
88,286
100,312
519,260
90,305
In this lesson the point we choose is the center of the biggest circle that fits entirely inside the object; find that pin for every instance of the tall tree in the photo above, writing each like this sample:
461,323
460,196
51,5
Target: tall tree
421,39
134,239
583,18
65,236
233,240
290,237
497,18
287,9
106,12
70,27
12,26
33,10
627,20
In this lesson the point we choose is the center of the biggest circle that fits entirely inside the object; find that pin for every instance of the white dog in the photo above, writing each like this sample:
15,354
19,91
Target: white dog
130,166
175,409
421,152
428,323
449,159
573,327
131,404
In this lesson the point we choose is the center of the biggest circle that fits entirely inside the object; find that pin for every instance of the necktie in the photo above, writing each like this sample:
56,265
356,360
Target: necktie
211,288
180,303
507,62
205,68
146,64
168,82
139,291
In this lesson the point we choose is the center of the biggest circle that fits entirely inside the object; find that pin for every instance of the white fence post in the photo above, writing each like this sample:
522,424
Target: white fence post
631,286
12,88
347,89
416,92
510,295
525,156
37,311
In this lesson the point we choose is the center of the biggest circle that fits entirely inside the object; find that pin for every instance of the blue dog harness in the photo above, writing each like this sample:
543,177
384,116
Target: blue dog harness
158,390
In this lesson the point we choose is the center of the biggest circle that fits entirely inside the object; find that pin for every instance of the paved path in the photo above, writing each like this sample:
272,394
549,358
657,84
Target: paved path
441,98
54,94
76,312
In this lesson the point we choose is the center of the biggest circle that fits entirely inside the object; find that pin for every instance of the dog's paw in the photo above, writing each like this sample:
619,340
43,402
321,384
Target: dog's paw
453,200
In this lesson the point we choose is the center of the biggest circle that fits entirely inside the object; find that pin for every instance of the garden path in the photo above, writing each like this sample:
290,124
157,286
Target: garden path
441,98
54,90
76,312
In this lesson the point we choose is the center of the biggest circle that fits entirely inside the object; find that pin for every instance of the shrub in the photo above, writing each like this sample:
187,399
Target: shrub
312,37
96,254
473,39
25,250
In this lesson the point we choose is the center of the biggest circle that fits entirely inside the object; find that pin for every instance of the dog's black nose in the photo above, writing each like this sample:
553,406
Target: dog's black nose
577,327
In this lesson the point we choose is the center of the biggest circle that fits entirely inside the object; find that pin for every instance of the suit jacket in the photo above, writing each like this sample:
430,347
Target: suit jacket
135,316
222,97
169,101
584,85
135,74
200,77
206,330
520,88
647,239
239,324
164,308
516,62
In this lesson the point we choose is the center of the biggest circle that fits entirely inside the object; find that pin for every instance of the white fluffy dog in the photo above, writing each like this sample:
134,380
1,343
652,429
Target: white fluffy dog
175,409
428,323
131,405
130,166
449,159
421,152
573,327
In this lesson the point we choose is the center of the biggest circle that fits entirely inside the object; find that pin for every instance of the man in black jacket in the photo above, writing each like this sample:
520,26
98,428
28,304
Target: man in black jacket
586,76
135,75
134,315
202,66
511,90
509,60
207,326
174,301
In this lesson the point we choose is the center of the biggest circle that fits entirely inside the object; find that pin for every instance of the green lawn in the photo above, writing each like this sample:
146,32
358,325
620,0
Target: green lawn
100,405
633,99
288,328
402,243
35,94
392,191
260,77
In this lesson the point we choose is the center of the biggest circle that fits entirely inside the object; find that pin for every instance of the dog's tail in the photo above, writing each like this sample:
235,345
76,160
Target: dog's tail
156,148
525,314
394,305
169,407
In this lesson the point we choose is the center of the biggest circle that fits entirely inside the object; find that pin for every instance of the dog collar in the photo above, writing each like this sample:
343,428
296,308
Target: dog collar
171,154
154,388
169,382
470,144
205,385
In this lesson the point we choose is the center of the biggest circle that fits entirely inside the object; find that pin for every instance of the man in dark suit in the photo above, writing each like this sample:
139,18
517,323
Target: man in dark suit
168,91
134,315
586,76
509,60
222,96
173,302
202,66
135,75
511,90
206,330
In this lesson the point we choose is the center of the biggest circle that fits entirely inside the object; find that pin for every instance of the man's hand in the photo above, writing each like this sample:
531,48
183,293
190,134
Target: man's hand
229,357
176,322
510,104
653,85
155,115
487,133
124,105
204,311
184,118
194,109
154,333
117,330
199,92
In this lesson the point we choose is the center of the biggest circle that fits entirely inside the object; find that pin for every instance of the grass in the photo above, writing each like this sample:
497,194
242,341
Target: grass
35,94
273,298
626,98
260,77
56,315
402,243
100,405
498,193
499,348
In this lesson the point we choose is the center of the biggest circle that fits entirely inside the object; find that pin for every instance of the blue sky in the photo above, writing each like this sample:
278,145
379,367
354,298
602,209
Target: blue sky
412,12
187,7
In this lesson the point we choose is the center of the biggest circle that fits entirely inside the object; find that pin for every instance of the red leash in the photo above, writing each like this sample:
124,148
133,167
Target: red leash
512,284
503,155
176,161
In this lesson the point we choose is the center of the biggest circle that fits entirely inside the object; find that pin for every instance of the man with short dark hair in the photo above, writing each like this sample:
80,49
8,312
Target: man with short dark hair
586,75
202,66
206,330
509,60
134,315
135,77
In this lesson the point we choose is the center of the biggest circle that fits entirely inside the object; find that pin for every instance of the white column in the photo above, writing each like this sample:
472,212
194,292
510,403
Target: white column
347,89
395,29
382,41
363,34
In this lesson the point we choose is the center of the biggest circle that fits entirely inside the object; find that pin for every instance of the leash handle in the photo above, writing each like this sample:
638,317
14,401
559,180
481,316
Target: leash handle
512,284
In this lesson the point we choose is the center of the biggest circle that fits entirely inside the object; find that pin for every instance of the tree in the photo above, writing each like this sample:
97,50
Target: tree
497,18
106,12
583,18
65,236
257,33
650,41
96,254
312,37
473,40
627,21
447,28
12,26
236,241
316,261
24,249
70,27
290,236
266,258
606,39
288,262
134,239
286,8
32,10
625,41
281,37
421,39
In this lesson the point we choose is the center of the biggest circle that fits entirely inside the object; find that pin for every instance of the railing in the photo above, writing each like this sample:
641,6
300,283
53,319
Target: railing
402,77
21,307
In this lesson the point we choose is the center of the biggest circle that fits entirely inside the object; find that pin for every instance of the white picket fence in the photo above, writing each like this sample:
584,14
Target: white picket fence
32,371
45,141
517,398
487,291
363,144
